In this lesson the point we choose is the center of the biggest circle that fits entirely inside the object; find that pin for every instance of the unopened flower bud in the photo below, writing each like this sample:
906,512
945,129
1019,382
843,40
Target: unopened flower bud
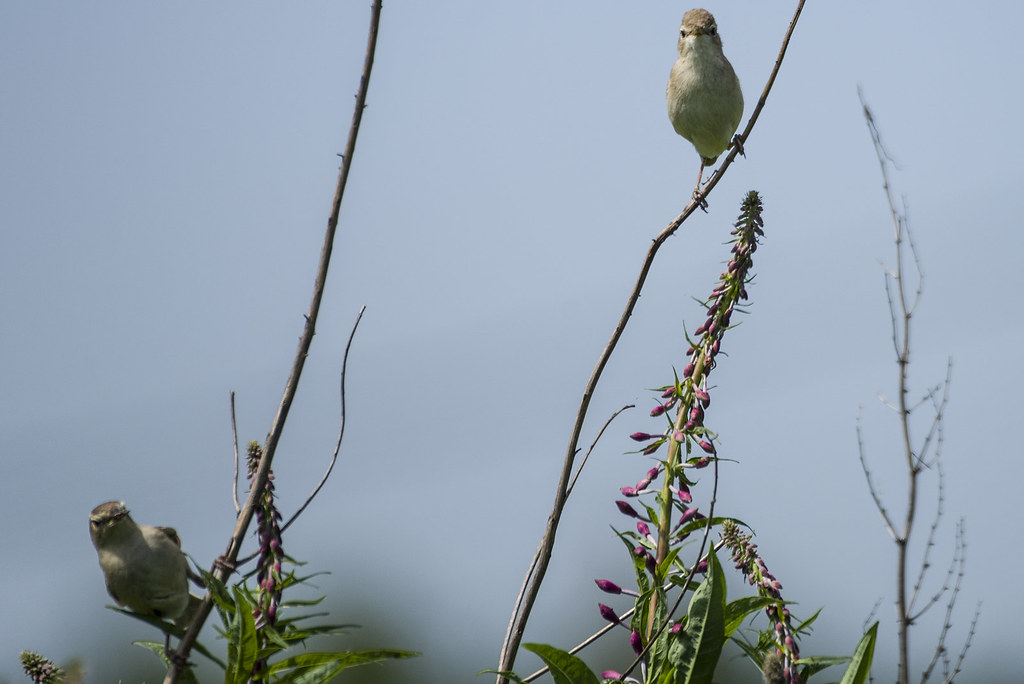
608,613
608,586
626,509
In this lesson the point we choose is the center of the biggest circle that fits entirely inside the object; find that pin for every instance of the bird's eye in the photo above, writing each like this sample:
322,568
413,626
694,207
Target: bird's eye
682,33
713,30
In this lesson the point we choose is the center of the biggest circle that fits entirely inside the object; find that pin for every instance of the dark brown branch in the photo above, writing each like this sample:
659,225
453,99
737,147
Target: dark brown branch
222,569
539,563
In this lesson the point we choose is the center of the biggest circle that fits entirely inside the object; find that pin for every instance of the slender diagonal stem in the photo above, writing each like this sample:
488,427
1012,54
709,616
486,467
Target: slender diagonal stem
539,564
222,569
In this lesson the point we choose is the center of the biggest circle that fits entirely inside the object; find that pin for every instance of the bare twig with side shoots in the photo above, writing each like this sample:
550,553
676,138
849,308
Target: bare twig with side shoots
918,455
539,563
222,569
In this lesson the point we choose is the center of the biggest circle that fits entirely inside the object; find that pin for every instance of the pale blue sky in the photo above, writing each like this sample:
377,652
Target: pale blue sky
167,171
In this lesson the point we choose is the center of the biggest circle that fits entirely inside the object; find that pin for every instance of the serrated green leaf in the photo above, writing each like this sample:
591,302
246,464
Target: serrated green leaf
315,668
737,611
860,664
815,664
698,646
165,627
565,668
154,646
242,645
750,649
185,676
805,626
303,602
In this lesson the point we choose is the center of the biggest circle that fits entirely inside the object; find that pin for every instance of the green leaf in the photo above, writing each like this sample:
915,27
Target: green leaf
805,626
860,664
242,646
815,664
185,676
314,668
565,667
737,611
697,648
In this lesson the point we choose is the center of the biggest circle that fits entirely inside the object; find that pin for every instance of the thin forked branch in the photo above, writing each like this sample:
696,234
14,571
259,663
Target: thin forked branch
222,569
341,427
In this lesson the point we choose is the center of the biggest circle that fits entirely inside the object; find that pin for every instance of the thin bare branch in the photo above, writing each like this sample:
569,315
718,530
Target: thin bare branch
341,426
957,668
875,494
538,566
902,306
936,431
926,556
222,569
958,562
234,441
594,444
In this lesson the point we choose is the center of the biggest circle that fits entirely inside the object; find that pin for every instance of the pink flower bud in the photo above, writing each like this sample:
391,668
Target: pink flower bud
608,613
635,642
626,509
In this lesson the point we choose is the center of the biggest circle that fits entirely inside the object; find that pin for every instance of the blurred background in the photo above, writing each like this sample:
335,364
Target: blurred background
167,172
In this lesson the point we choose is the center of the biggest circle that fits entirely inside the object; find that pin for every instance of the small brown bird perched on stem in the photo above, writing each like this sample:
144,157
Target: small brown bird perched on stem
143,566
705,103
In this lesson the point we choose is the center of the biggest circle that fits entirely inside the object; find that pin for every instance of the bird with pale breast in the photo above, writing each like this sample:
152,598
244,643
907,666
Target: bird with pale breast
705,103
143,567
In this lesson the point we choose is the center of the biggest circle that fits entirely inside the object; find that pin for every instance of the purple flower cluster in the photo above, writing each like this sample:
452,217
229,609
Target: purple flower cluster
749,562
689,394
268,532
682,406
